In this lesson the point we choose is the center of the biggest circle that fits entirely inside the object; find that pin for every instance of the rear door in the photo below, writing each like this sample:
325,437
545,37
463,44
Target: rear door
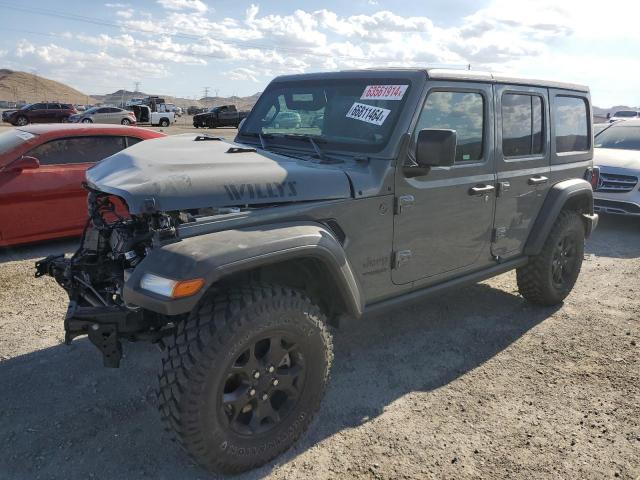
38,113
443,221
49,201
522,164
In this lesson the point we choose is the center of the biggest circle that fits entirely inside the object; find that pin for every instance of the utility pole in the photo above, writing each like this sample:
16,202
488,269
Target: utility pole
137,87
206,92
217,90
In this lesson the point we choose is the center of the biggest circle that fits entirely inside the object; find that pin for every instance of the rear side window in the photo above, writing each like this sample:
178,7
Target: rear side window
132,141
459,111
522,125
571,124
77,150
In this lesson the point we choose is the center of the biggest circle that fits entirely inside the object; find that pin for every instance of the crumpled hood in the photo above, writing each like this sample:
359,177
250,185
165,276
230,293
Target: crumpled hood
615,157
177,173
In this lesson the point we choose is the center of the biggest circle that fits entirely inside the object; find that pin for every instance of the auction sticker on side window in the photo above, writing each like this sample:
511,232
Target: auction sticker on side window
384,92
367,113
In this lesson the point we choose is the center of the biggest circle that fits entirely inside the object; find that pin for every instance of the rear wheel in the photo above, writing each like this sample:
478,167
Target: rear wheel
21,121
164,122
125,121
550,276
244,376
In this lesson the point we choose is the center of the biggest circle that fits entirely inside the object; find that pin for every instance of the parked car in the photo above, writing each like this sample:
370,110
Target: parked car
240,254
617,160
287,120
623,115
43,112
222,116
193,110
144,116
105,115
42,168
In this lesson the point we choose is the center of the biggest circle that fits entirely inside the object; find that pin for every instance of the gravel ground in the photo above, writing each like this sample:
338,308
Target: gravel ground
476,383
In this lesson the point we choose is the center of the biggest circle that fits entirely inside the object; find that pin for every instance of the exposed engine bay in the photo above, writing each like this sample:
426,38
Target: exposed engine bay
112,244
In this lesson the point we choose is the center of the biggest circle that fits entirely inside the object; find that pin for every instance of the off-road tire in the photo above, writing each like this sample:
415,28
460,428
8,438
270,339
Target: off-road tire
536,279
196,362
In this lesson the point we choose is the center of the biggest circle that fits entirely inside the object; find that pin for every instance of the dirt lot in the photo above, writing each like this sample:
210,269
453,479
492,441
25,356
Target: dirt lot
476,383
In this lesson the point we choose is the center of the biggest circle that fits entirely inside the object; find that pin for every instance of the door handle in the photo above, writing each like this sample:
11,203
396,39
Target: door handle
539,180
481,190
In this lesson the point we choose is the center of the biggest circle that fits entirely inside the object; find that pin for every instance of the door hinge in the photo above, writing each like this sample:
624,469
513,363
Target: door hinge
498,233
405,201
502,188
401,258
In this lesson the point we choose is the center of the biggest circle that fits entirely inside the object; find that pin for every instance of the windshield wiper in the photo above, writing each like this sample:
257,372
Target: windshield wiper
312,140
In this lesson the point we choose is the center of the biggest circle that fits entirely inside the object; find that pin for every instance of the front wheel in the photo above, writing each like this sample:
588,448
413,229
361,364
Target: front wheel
550,276
22,121
245,375
87,120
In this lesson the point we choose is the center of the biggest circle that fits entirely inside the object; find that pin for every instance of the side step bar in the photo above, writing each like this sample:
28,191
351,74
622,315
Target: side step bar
468,279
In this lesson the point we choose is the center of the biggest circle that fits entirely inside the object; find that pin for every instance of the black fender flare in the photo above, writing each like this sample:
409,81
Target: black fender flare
575,191
217,255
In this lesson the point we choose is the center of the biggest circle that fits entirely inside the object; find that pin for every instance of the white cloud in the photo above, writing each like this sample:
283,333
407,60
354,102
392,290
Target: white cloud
196,5
525,35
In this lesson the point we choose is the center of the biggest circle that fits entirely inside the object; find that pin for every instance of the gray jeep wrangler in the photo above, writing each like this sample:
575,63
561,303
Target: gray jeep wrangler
389,186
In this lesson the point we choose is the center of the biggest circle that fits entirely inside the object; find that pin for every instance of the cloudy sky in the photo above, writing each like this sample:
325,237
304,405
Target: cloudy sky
178,47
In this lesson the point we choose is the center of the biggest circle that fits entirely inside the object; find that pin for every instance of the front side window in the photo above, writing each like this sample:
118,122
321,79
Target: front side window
522,123
571,124
459,111
77,150
351,114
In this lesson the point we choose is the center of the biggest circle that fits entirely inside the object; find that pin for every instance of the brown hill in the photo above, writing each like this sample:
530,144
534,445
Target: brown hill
117,97
22,86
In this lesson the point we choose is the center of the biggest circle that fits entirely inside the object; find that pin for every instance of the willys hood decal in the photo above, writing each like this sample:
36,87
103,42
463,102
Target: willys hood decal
177,173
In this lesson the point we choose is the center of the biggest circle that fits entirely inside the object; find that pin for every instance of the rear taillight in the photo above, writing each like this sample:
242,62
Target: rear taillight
592,175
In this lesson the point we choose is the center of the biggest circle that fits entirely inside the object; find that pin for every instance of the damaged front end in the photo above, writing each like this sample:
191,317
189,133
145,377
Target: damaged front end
112,244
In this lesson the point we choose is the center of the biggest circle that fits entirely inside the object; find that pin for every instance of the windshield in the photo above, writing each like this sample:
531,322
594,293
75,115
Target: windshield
619,136
625,114
350,114
10,139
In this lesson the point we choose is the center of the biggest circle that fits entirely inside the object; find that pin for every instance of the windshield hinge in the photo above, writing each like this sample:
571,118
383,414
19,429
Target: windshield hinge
400,258
241,150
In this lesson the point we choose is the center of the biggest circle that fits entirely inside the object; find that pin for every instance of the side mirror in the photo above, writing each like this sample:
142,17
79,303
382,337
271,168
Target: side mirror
436,148
608,115
22,163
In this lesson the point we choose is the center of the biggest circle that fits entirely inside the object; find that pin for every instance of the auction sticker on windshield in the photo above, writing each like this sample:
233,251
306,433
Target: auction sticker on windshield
367,113
384,92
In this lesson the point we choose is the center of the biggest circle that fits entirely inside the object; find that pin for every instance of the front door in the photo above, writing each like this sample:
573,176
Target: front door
522,162
443,221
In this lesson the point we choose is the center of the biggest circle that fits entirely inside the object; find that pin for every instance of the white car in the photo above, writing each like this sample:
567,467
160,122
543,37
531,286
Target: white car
623,115
617,156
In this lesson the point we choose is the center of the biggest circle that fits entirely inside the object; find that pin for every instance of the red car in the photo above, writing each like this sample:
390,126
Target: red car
41,171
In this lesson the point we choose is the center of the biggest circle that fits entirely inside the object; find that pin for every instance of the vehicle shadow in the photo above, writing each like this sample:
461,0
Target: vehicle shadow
615,237
37,251
62,415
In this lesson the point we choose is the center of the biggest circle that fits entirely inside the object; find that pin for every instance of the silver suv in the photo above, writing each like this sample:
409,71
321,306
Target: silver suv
617,154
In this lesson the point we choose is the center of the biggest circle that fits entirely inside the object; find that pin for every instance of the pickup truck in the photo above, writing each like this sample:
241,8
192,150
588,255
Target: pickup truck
222,116
144,115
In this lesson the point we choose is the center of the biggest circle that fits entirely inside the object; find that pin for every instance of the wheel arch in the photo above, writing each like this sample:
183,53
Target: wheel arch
575,194
305,256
